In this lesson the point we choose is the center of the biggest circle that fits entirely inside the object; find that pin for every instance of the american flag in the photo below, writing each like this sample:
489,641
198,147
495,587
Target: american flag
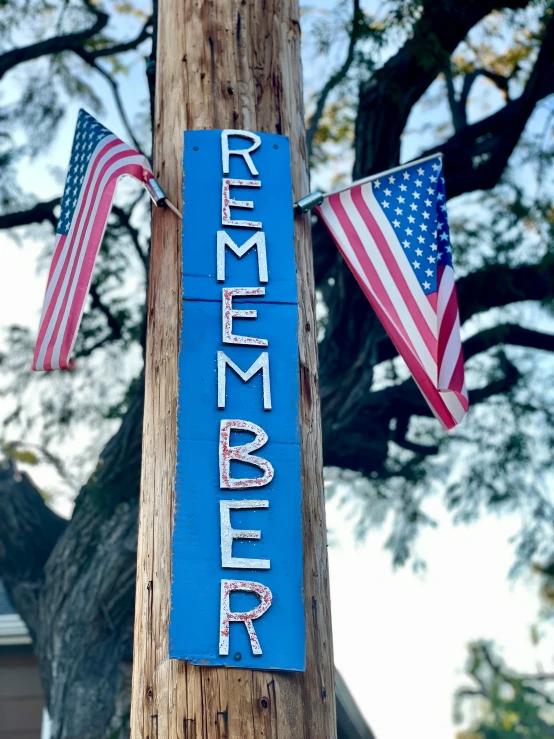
98,160
393,233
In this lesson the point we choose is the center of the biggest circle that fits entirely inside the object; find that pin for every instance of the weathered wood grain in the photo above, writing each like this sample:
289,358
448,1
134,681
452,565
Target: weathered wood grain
224,64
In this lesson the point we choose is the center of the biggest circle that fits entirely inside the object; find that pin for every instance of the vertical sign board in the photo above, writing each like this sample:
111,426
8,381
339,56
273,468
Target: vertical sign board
237,595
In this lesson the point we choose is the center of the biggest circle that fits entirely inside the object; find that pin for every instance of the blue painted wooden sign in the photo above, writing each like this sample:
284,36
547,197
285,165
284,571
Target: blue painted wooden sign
237,591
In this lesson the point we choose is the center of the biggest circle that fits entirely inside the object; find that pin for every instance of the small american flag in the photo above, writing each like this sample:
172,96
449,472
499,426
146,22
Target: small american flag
98,160
393,233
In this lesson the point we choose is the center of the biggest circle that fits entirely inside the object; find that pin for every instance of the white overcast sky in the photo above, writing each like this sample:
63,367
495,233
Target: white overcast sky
402,648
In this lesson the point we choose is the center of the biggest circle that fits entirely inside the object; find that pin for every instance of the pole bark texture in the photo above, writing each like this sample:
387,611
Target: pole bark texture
224,64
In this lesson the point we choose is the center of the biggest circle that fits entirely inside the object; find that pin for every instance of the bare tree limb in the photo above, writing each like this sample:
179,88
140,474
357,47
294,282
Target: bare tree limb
117,97
493,286
508,333
476,156
90,57
458,104
362,444
336,78
125,219
37,214
387,98
499,80
143,34
498,285
75,42
400,434
540,676
54,45
500,386
113,325
504,333
457,110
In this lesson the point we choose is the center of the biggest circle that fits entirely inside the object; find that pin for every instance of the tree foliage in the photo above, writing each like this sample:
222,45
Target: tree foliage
508,705
501,703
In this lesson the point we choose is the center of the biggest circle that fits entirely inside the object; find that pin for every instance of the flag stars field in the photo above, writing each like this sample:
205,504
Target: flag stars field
430,222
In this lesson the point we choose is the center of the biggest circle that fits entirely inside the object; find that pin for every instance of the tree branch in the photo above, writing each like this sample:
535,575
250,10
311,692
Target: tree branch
54,45
457,109
400,434
125,220
336,78
113,325
388,97
458,105
500,386
90,58
498,285
74,42
117,97
124,46
508,333
362,443
499,80
475,156
37,214
29,531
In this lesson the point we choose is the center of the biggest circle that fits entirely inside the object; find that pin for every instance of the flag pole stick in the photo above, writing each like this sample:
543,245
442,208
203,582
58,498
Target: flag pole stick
386,173
310,201
170,205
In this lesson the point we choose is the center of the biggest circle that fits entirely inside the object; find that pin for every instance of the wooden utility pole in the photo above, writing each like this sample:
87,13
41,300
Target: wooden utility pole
224,64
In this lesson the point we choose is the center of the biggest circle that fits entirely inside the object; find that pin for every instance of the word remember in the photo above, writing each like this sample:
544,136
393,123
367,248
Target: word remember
241,452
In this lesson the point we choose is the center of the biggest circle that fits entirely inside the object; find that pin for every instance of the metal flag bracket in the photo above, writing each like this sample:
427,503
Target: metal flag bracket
308,202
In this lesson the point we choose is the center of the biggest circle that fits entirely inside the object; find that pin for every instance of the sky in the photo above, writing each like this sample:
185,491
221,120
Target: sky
403,649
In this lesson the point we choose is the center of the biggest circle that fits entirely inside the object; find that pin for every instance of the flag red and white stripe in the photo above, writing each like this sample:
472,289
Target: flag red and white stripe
393,234
98,160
